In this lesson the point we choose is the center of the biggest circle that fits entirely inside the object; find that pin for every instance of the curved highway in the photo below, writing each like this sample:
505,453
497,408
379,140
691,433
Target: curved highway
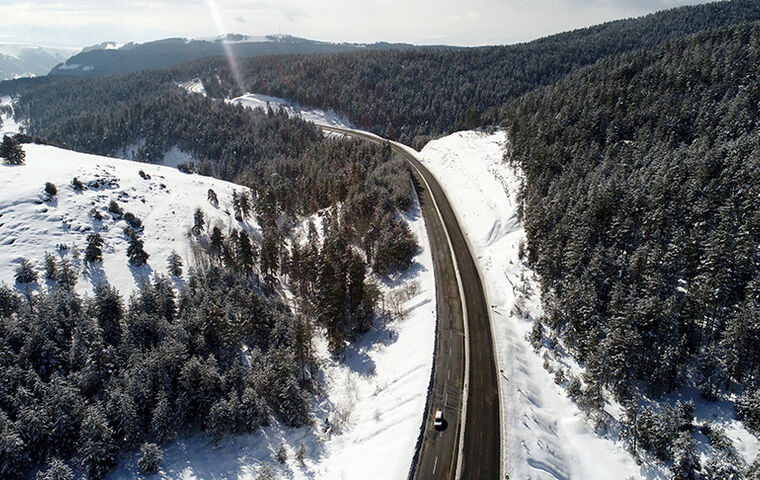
464,367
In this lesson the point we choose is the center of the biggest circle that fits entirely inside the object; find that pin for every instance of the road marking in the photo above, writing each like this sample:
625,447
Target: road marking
435,465
412,159
448,375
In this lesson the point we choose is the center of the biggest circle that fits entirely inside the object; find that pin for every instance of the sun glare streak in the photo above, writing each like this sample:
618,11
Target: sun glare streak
231,58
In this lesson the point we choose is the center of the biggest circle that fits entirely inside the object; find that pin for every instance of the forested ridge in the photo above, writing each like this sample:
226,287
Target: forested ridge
410,95
641,209
85,380
640,202
407,95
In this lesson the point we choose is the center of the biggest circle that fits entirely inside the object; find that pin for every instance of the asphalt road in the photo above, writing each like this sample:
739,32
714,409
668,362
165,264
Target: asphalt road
468,450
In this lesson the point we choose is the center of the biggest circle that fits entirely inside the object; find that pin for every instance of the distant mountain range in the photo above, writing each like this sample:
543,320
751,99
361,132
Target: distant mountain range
112,58
23,60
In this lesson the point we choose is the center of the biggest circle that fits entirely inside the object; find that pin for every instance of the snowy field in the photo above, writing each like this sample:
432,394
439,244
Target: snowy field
320,117
255,100
545,434
32,224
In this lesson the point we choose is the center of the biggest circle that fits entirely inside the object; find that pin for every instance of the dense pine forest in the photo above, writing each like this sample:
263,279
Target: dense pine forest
405,95
87,379
639,144
641,213
410,95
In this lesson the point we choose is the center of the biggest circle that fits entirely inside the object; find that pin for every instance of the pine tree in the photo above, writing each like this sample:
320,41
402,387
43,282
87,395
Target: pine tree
97,448
270,255
630,427
301,453
162,420
748,409
685,459
216,244
198,221
51,190
66,277
245,204
109,311
14,458
265,472
9,301
282,454
212,198
11,151
77,185
236,209
150,458
219,421
245,254
175,264
25,273
137,255
133,221
56,470
114,208
94,250
252,410
123,417
51,266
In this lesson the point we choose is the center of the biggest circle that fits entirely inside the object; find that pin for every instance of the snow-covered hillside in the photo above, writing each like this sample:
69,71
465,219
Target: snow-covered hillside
320,117
545,434
163,198
366,421
24,60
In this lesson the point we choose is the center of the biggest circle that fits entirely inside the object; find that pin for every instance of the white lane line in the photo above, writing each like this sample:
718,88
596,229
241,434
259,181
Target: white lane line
466,384
435,465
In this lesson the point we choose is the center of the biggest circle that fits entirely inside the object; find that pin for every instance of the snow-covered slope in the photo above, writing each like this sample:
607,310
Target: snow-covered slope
545,434
366,421
31,225
320,117
368,417
8,125
24,60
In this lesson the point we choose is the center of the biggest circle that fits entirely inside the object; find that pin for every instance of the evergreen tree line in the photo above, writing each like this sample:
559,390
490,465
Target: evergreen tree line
125,398
411,95
85,379
291,168
407,95
640,203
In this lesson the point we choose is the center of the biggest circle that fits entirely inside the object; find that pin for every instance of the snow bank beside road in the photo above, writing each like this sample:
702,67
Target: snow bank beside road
545,436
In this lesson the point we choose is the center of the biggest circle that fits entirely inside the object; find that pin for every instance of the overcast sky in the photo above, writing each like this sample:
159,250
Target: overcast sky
462,22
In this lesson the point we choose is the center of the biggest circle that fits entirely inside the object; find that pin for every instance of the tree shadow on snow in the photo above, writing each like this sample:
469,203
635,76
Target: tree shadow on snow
141,273
356,357
398,279
237,456
95,274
